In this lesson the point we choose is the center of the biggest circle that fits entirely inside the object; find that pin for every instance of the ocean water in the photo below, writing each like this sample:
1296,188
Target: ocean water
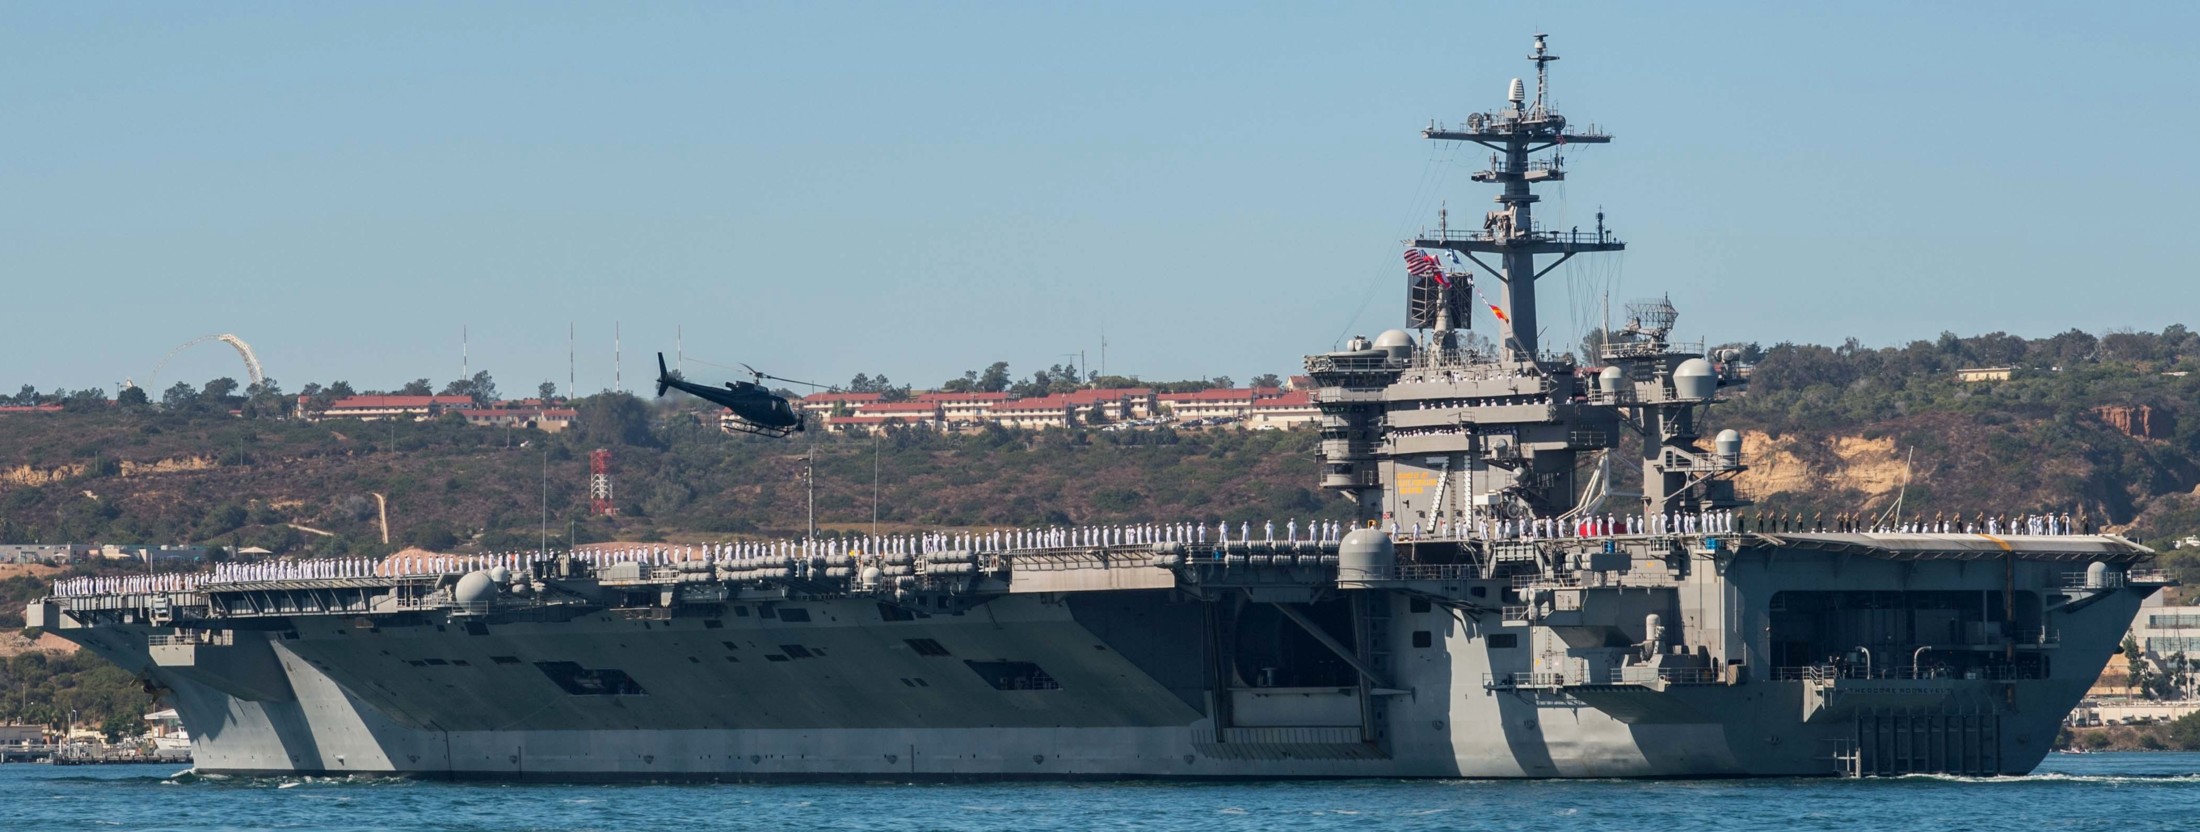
2122,792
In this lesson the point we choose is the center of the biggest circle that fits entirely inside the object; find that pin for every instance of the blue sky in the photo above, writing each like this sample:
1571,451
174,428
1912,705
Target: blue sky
822,189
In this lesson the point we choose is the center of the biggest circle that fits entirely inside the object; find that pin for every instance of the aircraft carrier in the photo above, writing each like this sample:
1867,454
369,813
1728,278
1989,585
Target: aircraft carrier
1512,603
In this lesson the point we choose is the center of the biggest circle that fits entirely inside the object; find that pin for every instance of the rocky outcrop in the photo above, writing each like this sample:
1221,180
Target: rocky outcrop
2137,421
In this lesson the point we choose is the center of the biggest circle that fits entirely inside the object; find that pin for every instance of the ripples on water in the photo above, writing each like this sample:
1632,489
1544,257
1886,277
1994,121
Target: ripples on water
2071,792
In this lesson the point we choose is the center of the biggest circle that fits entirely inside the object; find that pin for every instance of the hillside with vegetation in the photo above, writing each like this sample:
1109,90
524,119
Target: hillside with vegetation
1829,429
2095,426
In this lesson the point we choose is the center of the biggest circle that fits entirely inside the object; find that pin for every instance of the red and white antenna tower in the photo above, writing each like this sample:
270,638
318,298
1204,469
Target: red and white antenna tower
599,483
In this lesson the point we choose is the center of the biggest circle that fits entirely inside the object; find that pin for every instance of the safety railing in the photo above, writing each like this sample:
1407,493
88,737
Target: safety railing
1522,679
1642,675
1434,571
210,638
1573,237
1829,673
1536,581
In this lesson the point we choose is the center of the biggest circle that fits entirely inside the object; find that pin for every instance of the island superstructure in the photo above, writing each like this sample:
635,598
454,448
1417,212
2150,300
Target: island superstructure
1508,603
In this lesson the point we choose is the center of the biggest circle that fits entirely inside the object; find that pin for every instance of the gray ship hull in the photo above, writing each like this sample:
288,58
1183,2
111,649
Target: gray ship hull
1106,684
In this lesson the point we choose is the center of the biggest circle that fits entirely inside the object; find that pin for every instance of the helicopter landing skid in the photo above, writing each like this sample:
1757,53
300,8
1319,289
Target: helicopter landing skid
740,425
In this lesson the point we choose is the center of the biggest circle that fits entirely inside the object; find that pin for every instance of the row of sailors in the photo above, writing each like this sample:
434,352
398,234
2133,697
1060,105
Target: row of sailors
736,553
1432,430
1725,521
1504,401
841,550
2029,523
1722,521
1141,534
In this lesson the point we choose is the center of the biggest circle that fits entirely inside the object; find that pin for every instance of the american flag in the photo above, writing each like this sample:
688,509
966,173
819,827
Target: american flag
1419,264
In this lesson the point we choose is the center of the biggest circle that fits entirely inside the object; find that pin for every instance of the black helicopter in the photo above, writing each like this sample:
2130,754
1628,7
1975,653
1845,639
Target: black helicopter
754,409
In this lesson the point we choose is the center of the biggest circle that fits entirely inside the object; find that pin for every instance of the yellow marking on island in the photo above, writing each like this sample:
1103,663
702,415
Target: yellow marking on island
1415,482
1998,542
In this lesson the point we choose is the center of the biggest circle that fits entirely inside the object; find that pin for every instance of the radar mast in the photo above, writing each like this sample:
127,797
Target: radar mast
1518,133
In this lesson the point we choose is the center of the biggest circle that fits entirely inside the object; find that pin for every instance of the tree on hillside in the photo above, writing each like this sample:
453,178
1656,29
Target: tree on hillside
180,396
25,397
881,385
133,397
995,379
2177,673
417,387
547,391
2184,732
481,388
607,419
967,383
2135,666
1267,380
2068,349
1052,380
89,398
219,392
265,400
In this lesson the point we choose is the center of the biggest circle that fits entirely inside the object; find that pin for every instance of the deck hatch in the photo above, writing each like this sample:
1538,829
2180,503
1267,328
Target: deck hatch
582,681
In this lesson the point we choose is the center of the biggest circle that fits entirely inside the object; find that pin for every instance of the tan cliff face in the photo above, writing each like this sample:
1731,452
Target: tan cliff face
26,475
1871,466
167,466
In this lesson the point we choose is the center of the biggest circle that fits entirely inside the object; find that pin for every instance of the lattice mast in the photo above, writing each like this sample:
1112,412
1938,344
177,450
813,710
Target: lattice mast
599,484
1517,133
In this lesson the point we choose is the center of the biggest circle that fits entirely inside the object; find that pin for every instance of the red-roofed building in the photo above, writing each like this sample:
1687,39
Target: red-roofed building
878,414
823,403
1037,412
373,408
1116,404
965,407
1209,404
860,425
1287,410
545,419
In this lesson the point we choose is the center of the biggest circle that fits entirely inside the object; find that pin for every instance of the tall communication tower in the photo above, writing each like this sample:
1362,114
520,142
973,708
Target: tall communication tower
599,483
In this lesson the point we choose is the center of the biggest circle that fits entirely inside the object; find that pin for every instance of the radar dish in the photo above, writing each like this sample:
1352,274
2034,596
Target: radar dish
1655,315
1475,121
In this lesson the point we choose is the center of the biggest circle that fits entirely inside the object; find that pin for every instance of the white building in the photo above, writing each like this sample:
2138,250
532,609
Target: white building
2163,630
1040,412
1289,410
47,553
